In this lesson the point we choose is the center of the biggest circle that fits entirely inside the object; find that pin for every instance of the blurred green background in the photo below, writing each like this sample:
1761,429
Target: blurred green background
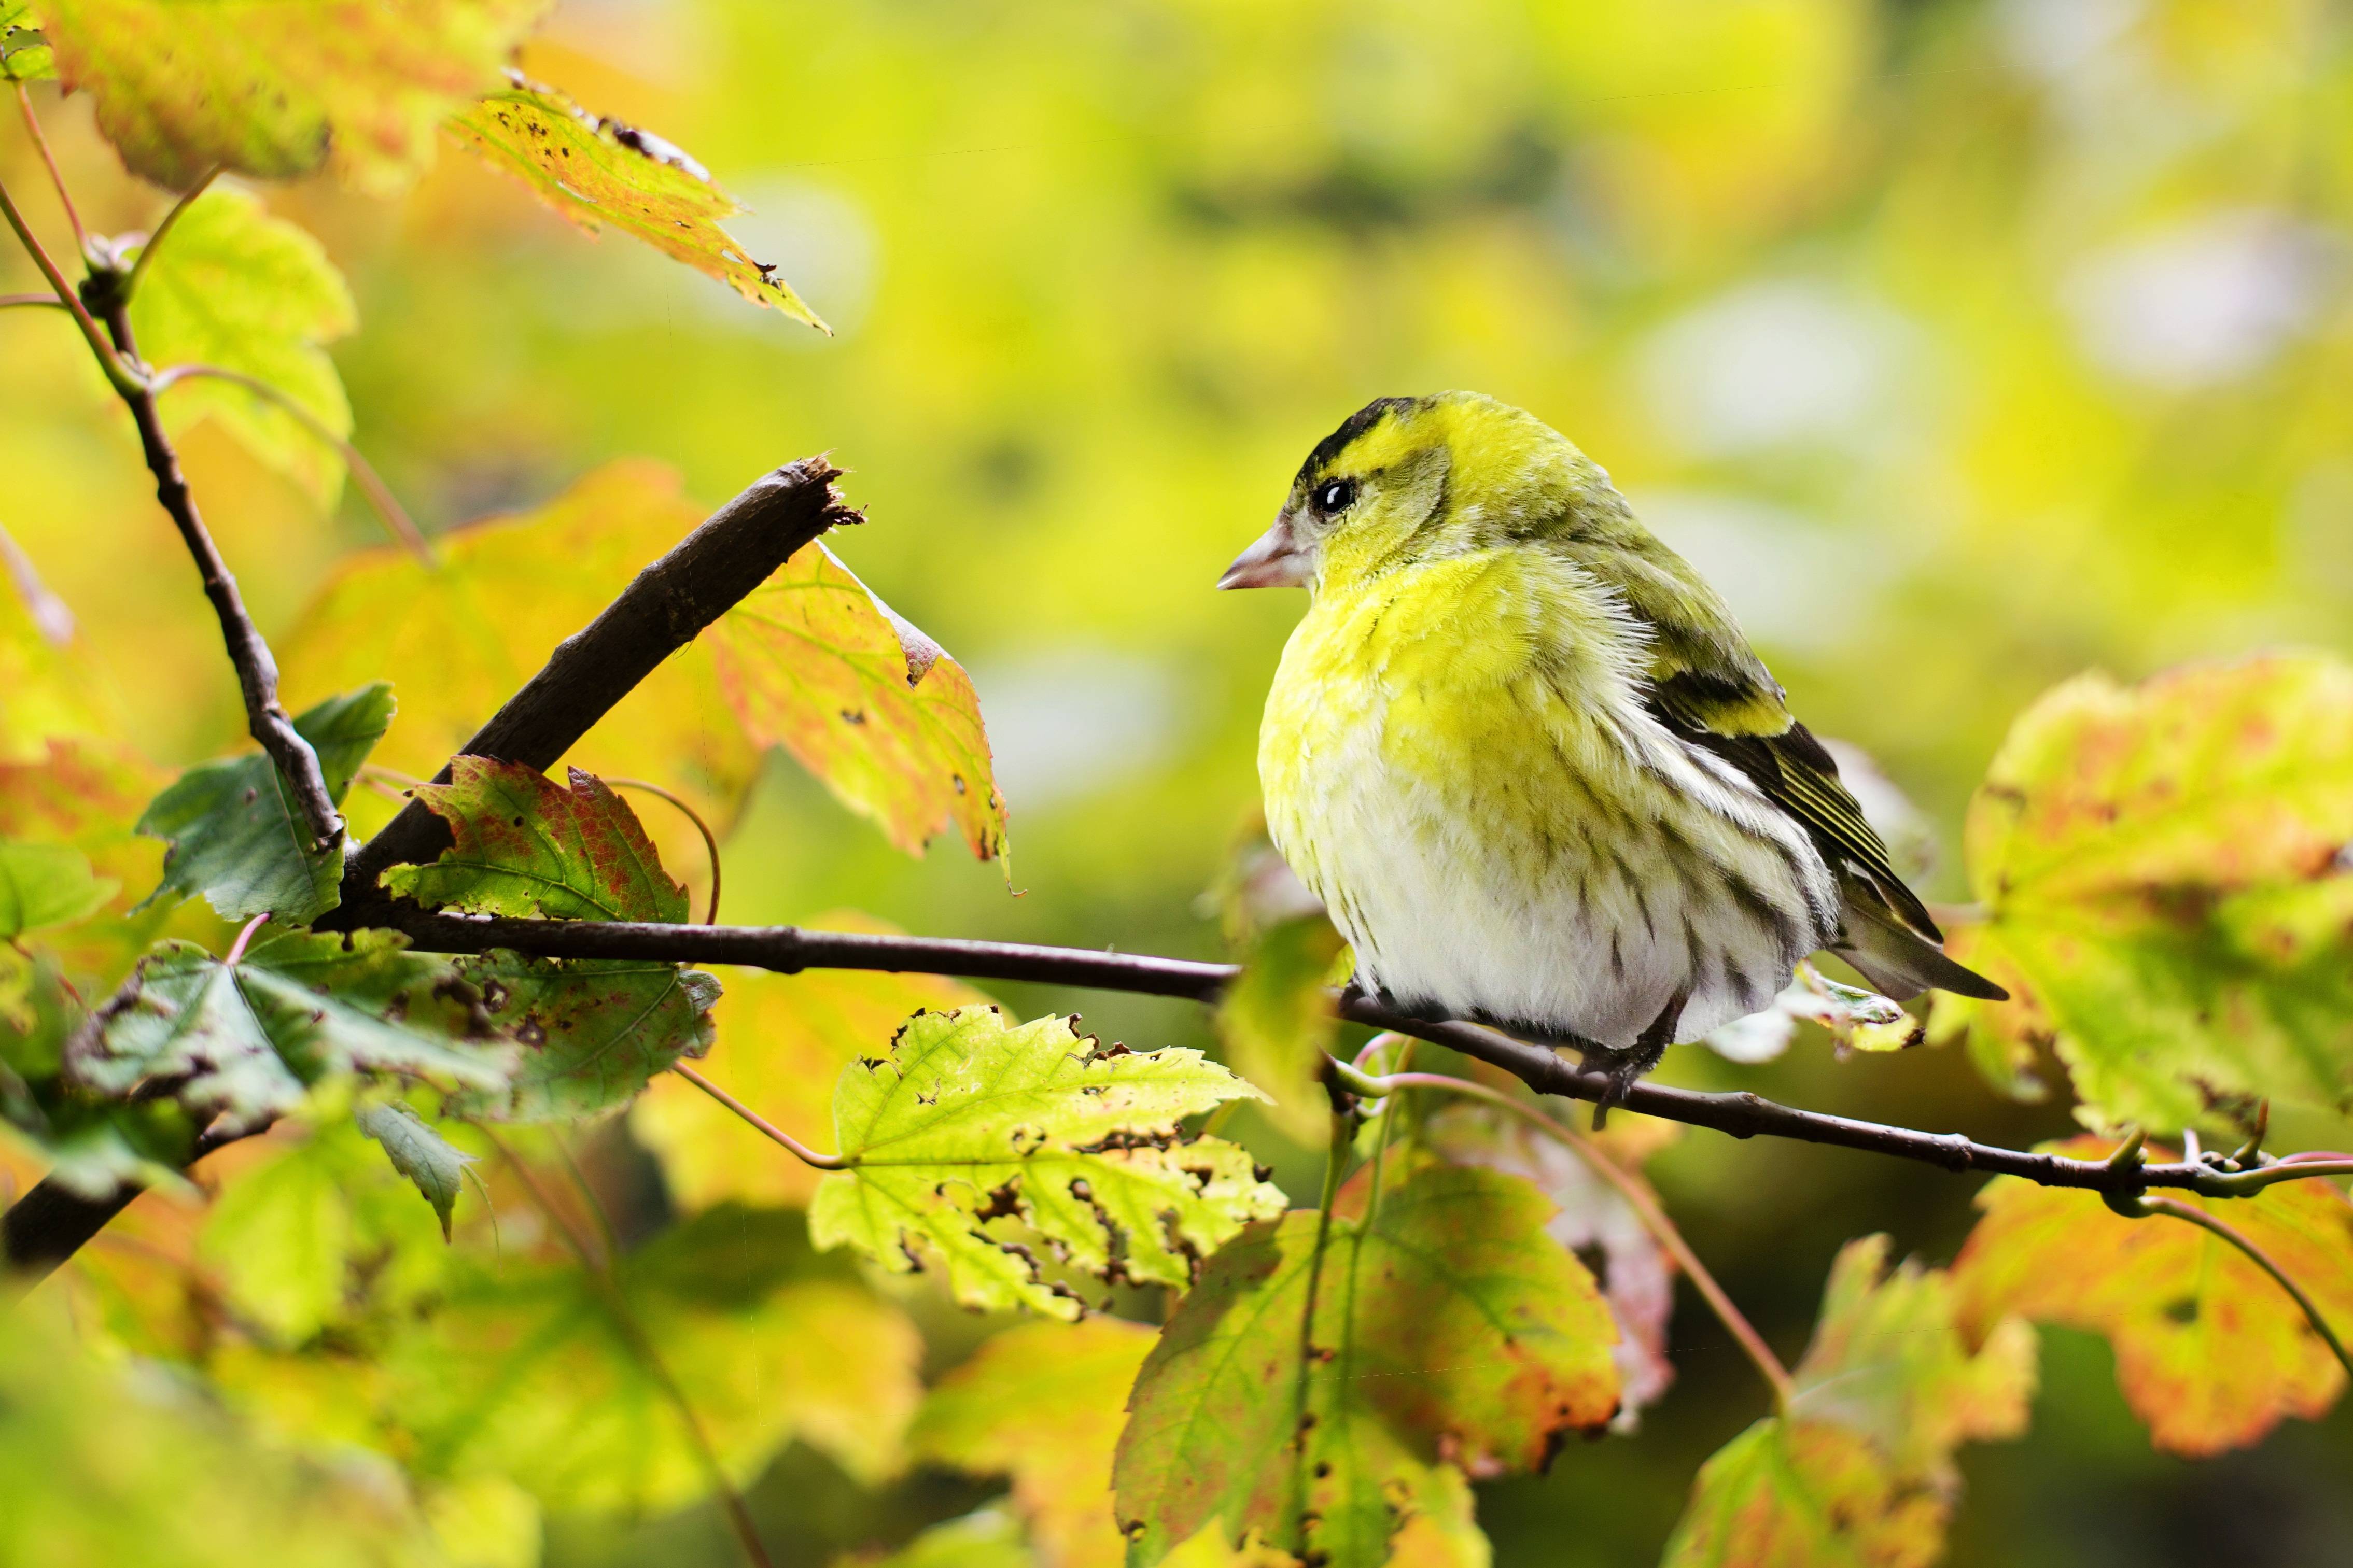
1964,345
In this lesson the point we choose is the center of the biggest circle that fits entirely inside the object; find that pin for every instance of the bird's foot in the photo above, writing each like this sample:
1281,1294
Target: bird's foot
1625,1067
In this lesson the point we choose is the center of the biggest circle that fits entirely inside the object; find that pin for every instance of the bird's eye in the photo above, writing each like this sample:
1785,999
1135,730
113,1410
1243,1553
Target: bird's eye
1335,497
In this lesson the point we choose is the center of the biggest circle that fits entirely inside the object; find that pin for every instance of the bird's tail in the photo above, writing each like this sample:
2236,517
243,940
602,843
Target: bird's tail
1900,959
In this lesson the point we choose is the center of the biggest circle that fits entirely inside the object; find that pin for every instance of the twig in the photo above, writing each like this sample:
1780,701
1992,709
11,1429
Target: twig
154,242
20,301
709,840
388,510
118,375
256,670
1654,1219
790,949
799,1150
49,162
659,612
2262,1260
640,1345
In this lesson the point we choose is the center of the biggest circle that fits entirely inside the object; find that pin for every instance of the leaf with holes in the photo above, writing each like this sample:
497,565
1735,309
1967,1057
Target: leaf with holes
526,846
2167,897
418,1152
247,1041
787,1038
278,88
596,171
24,54
1860,1469
971,1125
589,1032
236,834
463,639
2210,1352
814,662
1043,1402
1448,1329
235,287
564,1384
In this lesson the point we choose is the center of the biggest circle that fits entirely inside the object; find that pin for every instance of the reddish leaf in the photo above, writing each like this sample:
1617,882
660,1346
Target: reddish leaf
525,845
2210,1352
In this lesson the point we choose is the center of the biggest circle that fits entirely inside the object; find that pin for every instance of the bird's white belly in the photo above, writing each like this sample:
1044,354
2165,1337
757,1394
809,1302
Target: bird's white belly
1453,909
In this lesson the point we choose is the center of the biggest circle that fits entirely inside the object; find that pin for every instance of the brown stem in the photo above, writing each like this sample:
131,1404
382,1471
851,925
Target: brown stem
709,840
388,510
257,671
49,162
1654,1219
21,302
118,375
799,1150
2262,1260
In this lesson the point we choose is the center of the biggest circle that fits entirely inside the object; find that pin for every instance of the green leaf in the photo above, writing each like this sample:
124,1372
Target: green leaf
2210,1352
55,690
236,834
2167,897
1448,1328
970,1123
558,1381
418,1152
1862,1470
1044,1403
526,846
236,288
592,1031
247,1042
811,660
1277,1021
24,54
90,1146
988,1538
594,170
278,88
1855,1020
45,885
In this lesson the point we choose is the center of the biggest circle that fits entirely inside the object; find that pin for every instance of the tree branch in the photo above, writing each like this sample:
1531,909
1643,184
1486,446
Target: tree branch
659,613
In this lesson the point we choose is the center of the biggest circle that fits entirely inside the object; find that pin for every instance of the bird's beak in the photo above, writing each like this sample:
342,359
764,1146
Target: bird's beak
1275,561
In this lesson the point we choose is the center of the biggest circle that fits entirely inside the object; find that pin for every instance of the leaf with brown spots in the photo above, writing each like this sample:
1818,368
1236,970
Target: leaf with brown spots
1860,1469
277,88
972,1126
814,662
1449,1330
2168,892
594,170
528,847
590,1032
2210,1352
1044,1403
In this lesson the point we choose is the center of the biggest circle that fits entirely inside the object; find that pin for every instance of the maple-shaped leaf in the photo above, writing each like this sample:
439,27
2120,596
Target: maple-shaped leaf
971,1124
596,171
1594,1221
436,1167
235,287
24,54
45,885
811,660
246,1041
1043,1402
528,847
531,1373
2167,897
236,834
2210,1352
1448,1328
278,88
589,1032
787,1038
86,1145
463,639
1860,1469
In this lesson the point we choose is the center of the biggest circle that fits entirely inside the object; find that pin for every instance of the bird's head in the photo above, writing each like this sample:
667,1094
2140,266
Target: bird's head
1406,479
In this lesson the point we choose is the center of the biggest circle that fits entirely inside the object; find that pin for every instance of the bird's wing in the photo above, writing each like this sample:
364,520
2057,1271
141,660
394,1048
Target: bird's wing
1708,686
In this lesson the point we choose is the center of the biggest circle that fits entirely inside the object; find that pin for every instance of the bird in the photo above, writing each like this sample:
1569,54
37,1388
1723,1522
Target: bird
1523,753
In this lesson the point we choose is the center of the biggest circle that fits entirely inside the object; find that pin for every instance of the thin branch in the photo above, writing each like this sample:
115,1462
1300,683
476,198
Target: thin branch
388,510
661,610
21,301
2262,1260
799,1150
154,242
49,162
709,840
257,671
118,375
1654,1219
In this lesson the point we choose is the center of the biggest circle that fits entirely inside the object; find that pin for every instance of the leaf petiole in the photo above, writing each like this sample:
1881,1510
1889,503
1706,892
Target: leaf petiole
800,1151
